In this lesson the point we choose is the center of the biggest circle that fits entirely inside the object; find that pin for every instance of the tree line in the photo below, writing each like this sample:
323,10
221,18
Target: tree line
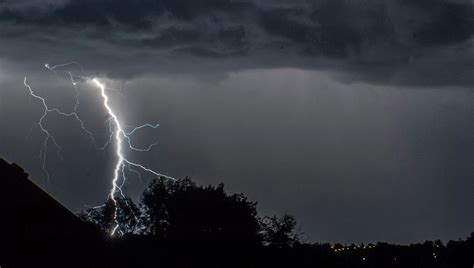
182,224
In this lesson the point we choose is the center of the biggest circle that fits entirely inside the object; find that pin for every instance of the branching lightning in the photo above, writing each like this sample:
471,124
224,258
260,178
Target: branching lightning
118,136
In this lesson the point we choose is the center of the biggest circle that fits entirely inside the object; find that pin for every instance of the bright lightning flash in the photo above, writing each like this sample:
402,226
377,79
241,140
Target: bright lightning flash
118,136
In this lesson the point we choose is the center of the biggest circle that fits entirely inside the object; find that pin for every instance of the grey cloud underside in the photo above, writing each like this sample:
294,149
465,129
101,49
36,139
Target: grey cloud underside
417,42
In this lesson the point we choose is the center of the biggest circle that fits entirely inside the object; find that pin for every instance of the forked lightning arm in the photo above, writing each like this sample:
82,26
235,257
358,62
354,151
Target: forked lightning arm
117,135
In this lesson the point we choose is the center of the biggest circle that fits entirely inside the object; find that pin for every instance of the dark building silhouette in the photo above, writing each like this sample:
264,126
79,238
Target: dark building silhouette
37,229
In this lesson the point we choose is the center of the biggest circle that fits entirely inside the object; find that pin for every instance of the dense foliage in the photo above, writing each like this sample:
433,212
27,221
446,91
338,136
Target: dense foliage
181,224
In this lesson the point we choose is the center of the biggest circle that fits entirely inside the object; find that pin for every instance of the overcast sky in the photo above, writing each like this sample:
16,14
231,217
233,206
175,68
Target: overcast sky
357,117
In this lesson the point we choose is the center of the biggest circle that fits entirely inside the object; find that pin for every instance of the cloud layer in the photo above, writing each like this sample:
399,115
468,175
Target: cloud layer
425,43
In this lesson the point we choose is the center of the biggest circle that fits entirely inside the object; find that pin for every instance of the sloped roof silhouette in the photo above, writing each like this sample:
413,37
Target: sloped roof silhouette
33,212
32,223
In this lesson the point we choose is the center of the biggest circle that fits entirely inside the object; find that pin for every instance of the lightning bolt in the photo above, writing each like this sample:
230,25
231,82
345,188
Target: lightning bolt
118,136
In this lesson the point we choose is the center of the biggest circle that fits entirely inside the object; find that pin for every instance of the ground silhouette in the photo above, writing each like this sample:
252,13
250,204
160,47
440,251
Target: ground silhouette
182,224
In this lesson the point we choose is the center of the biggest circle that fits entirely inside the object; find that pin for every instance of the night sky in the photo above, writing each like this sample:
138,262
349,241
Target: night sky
356,117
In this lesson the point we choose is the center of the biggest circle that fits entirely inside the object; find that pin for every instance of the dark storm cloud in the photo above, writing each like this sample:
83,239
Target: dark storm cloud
413,42
366,157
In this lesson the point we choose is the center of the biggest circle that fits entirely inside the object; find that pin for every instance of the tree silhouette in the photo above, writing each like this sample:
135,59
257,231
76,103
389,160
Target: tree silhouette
154,202
184,211
280,232
182,224
105,217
